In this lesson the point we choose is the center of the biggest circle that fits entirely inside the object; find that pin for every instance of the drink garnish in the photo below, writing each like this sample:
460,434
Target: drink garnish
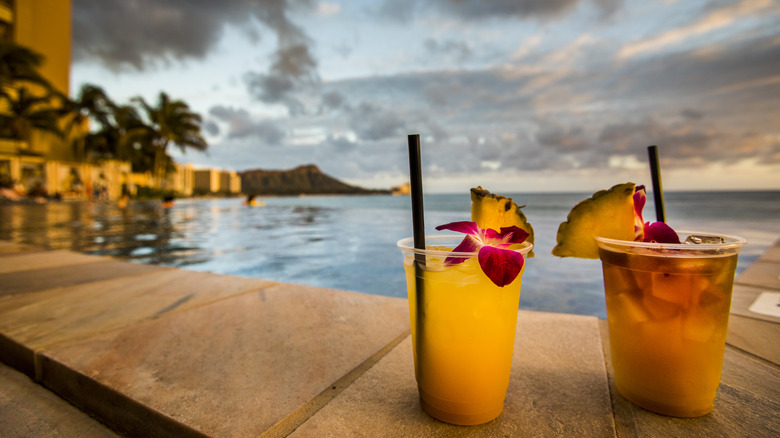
608,213
613,214
500,264
490,210
656,232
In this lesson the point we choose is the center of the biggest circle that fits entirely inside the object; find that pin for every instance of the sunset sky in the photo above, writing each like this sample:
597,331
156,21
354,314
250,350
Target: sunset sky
517,96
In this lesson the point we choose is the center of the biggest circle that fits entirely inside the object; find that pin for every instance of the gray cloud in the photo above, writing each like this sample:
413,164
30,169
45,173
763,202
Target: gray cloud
293,69
332,100
142,33
692,114
505,8
680,142
242,126
340,144
371,122
565,139
210,127
459,50
739,66
479,9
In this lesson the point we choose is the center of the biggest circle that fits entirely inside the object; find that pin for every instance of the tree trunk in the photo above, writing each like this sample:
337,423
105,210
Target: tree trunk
160,166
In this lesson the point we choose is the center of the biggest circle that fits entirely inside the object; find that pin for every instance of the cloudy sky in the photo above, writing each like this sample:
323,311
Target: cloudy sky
518,96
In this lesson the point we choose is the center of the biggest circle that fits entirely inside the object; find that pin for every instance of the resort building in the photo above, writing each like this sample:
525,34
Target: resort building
46,164
43,26
210,181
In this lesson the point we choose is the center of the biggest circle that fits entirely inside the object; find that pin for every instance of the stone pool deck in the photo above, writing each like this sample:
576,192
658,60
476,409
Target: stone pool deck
93,346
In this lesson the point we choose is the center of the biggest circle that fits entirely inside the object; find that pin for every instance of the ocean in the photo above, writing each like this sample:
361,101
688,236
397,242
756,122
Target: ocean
348,242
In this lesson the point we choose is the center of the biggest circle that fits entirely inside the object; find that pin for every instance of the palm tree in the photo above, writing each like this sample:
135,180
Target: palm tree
132,132
19,64
91,103
127,137
27,111
171,121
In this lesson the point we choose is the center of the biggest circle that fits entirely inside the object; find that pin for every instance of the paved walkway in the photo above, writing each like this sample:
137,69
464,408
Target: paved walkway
157,351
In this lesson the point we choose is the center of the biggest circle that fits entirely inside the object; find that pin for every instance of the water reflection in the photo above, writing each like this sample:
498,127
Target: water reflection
312,241
193,232
99,228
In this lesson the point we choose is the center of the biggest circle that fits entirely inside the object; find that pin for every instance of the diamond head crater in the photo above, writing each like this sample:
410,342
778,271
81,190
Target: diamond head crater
303,180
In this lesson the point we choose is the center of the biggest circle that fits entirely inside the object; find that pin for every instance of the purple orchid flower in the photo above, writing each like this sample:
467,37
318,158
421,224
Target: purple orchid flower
657,232
640,199
500,264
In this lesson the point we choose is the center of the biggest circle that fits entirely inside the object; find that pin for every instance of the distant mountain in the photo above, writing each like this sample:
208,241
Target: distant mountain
303,180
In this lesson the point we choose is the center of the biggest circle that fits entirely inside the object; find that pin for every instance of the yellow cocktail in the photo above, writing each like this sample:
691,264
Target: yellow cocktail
463,330
668,308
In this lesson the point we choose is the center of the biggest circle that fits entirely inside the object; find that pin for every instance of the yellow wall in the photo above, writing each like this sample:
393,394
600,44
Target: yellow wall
44,26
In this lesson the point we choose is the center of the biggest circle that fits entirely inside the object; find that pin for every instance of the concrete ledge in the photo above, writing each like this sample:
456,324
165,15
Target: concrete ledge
762,273
26,281
773,253
14,248
744,296
29,410
558,387
754,336
37,320
234,367
125,415
33,260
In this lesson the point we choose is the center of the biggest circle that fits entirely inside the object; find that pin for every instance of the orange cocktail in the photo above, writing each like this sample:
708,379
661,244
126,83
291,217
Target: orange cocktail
668,308
463,330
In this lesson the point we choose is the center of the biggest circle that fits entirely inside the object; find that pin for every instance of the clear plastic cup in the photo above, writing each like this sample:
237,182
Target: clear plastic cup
668,310
463,331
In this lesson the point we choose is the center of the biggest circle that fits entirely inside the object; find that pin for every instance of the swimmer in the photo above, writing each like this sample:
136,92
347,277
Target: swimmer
122,202
251,201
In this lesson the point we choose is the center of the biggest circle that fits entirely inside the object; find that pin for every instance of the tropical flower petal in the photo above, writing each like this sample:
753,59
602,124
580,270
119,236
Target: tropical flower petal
659,232
468,244
640,199
465,227
501,266
511,235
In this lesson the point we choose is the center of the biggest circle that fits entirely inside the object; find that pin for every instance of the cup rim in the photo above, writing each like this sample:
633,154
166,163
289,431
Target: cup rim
407,244
730,242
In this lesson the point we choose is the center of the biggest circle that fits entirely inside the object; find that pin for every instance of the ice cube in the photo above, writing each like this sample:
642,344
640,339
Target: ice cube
700,326
712,299
625,310
708,318
662,338
694,239
660,308
680,289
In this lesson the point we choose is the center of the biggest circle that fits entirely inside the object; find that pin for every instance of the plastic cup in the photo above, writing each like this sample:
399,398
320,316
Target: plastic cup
463,331
668,311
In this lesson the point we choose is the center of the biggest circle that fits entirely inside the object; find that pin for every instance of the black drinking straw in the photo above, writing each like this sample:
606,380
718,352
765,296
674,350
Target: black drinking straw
415,173
418,227
655,173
